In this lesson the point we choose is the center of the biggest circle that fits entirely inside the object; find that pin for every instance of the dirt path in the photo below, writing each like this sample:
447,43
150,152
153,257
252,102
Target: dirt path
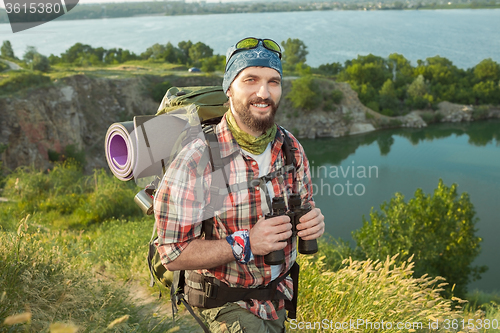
162,308
13,66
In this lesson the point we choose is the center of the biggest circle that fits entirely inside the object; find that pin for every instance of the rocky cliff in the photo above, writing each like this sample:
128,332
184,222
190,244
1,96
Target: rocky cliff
75,111
78,110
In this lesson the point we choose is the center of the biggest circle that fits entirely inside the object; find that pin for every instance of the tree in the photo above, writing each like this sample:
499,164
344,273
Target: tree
295,52
76,52
487,70
387,95
184,47
29,54
6,50
214,63
487,92
156,52
418,94
438,230
40,63
370,69
174,55
199,51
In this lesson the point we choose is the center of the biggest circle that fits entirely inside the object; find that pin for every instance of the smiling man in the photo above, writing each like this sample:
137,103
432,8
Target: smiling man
250,295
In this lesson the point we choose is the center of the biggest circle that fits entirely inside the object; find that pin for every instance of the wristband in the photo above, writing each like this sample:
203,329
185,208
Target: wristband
240,243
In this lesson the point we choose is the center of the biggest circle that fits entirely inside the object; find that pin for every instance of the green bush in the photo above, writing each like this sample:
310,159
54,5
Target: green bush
305,93
157,91
374,106
480,112
65,197
69,152
438,230
3,66
22,80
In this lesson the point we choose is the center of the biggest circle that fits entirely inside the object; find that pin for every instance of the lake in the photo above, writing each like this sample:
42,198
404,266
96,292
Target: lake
402,160
464,36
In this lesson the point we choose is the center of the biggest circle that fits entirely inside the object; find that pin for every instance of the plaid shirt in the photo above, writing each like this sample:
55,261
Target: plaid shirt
179,205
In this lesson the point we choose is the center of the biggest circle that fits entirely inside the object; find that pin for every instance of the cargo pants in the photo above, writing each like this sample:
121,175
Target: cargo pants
232,318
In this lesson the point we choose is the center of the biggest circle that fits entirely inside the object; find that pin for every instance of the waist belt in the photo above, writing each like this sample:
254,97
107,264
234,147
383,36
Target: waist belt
209,292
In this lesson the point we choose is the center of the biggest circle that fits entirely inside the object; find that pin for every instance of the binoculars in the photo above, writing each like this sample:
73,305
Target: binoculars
295,213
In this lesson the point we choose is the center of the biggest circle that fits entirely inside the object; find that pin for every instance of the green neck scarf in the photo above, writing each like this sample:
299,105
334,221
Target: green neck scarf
247,141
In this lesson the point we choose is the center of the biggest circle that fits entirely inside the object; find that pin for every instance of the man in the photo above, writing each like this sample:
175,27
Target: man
242,236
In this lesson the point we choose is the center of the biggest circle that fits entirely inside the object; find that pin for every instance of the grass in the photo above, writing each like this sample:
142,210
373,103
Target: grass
57,269
69,278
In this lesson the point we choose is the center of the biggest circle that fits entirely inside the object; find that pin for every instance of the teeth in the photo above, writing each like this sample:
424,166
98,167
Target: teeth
261,105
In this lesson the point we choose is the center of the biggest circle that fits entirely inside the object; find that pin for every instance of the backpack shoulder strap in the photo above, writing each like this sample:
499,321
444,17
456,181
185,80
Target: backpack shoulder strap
288,148
219,186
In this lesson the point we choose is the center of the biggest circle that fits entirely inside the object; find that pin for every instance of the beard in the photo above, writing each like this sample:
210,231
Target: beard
255,123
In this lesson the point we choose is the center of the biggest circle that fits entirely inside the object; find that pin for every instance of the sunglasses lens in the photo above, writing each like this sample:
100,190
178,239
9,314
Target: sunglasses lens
272,45
247,43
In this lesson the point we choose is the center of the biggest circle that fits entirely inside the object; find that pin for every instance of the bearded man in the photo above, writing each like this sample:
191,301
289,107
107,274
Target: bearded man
232,260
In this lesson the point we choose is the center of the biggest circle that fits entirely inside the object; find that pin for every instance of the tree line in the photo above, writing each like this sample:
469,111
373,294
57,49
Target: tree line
391,86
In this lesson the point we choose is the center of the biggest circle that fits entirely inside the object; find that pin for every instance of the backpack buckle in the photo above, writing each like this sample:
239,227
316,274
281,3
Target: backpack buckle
210,289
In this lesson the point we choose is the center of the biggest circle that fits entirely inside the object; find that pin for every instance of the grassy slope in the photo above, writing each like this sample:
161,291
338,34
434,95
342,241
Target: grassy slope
82,272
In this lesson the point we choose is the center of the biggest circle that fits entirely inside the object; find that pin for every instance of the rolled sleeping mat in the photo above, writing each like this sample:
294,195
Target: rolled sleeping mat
142,148
120,150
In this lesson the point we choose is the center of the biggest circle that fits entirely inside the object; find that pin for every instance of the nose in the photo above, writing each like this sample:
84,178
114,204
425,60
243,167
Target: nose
263,91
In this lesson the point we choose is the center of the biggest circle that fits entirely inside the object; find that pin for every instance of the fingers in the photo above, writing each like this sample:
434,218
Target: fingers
270,234
312,225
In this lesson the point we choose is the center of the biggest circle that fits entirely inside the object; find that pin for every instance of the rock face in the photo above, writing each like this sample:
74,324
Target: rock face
349,117
412,119
455,113
75,111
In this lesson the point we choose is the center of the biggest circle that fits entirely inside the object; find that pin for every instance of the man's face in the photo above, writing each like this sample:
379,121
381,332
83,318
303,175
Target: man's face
255,95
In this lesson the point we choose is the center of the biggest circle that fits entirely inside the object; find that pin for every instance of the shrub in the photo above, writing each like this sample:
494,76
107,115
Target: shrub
439,230
480,112
305,93
70,152
66,197
373,105
157,91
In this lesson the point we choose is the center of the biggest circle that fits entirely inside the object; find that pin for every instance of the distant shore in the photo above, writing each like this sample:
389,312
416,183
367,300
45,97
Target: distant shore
178,8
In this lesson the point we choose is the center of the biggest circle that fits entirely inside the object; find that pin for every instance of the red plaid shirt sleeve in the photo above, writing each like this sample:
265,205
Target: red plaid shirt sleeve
178,203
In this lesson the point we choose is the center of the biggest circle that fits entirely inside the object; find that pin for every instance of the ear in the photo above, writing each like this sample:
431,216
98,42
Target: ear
228,92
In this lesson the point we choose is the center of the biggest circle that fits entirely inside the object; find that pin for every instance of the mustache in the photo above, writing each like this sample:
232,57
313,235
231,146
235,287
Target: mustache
259,100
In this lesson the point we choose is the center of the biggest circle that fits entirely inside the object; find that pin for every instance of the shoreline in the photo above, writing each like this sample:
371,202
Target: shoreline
71,16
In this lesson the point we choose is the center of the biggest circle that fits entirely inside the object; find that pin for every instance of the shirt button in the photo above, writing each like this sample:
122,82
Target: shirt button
254,163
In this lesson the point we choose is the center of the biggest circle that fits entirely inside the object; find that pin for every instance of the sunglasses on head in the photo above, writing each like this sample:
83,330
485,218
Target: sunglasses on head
252,43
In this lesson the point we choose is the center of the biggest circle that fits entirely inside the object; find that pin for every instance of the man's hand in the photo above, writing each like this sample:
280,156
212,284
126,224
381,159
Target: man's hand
312,225
270,235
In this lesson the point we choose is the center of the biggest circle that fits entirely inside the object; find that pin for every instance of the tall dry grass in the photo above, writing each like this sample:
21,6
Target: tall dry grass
371,291
40,280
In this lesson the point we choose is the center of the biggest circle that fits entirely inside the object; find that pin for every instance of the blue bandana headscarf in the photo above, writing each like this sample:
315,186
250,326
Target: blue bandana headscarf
259,57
